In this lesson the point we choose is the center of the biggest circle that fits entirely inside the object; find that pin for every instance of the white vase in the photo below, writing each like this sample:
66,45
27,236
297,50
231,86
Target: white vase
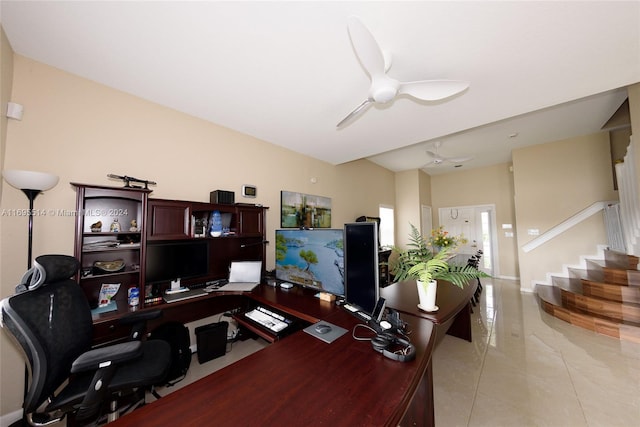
427,296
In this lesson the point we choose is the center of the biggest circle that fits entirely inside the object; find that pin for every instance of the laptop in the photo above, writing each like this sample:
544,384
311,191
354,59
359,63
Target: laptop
244,276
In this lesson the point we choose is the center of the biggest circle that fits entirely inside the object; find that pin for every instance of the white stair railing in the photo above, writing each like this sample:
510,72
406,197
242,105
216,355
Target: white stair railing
629,203
613,226
566,225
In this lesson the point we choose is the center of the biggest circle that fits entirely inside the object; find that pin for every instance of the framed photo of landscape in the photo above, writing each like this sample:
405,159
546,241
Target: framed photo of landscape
298,210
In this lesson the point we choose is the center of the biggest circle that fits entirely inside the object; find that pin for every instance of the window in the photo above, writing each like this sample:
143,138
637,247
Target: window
387,230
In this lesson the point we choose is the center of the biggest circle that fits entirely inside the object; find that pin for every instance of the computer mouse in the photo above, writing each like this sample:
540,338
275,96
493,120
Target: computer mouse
322,328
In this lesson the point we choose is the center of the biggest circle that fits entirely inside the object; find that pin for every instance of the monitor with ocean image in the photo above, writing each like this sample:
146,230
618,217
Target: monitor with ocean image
311,258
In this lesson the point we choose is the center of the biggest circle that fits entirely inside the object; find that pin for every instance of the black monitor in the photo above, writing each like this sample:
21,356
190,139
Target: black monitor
361,265
311,258
172,260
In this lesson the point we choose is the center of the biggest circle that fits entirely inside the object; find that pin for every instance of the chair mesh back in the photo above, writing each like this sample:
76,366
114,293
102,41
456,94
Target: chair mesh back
53,325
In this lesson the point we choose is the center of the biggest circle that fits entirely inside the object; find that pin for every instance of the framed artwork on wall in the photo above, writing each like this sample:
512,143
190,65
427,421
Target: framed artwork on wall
298,210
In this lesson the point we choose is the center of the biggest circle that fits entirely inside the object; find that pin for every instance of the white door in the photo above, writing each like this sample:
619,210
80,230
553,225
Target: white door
461,221
477,225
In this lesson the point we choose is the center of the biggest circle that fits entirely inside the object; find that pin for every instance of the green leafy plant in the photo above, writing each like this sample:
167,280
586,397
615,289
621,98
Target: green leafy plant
420,263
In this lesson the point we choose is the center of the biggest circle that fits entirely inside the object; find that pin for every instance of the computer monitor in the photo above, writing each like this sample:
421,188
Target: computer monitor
311,258
172,260
361,265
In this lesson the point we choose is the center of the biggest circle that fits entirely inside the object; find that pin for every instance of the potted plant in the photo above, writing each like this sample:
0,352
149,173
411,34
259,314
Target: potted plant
426,265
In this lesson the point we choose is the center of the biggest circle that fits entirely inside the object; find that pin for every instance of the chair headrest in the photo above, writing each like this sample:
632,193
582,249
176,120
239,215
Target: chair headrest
49,269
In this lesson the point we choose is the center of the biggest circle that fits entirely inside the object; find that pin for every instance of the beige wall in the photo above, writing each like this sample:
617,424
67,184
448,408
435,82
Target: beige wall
553,182
484,186
407,206
6,81
83,131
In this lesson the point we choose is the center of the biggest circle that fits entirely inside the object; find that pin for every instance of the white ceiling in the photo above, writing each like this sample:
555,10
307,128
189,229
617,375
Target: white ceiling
286,73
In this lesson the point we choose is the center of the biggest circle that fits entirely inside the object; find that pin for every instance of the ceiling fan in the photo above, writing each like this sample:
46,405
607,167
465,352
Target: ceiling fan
437,159
384,88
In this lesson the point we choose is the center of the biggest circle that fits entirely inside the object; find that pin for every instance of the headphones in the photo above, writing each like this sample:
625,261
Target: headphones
385,342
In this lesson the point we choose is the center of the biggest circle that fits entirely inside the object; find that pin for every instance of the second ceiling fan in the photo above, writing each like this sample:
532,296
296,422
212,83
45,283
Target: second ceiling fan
384,88
437,159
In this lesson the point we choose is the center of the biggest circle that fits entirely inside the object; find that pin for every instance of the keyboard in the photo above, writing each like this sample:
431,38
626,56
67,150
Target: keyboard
180,296
211,284
270,320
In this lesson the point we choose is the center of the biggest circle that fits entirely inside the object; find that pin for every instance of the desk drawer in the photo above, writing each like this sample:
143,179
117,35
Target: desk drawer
108,331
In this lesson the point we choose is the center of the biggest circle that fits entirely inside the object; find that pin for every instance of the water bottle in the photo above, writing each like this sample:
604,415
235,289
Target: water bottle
216,224
134,297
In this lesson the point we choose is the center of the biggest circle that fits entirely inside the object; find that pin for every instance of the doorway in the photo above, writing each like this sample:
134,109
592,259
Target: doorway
477,225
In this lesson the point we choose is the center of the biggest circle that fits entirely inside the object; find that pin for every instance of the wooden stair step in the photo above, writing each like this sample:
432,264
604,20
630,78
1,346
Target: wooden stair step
621,277
550,298
611,310
577,273
621,260
601,271
611,292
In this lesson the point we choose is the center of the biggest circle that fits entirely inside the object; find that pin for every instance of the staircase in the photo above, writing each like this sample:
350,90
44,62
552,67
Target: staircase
604,297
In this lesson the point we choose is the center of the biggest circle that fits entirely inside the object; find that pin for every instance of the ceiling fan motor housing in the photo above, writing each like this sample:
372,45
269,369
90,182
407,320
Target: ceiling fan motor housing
384,89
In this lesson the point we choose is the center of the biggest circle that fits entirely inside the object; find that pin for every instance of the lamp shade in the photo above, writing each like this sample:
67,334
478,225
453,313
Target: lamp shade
29,180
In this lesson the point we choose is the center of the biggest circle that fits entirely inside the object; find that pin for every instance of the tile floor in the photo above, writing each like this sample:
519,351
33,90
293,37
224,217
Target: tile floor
526,368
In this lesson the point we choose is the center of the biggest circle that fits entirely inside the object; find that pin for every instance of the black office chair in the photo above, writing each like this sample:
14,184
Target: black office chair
50,318
474,261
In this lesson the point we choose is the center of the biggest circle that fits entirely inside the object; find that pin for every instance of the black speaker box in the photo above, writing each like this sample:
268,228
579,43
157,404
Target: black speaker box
211,340
222,196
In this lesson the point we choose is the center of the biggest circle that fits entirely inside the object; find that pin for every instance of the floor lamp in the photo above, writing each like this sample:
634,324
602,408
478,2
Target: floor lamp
31,184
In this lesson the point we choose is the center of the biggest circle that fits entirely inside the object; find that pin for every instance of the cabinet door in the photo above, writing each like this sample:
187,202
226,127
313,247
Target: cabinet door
168,220
250,221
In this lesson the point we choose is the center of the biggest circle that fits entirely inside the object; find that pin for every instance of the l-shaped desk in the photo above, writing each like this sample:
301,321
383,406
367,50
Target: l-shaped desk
303,381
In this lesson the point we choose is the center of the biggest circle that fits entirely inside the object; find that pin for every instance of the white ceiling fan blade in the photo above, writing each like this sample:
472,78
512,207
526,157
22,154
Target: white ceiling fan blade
433,163
457,159
432,154
430,164
355,112
366,47
433,90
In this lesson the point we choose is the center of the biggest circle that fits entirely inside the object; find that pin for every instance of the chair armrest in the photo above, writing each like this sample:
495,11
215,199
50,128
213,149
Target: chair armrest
113,354
138,321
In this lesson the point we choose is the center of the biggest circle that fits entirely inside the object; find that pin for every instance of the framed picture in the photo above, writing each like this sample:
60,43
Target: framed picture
298,210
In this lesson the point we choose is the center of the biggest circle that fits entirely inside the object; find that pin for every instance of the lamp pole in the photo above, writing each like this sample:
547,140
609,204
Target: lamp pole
31,195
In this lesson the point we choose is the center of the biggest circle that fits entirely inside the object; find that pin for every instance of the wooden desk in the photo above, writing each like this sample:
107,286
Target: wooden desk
454,314
302,381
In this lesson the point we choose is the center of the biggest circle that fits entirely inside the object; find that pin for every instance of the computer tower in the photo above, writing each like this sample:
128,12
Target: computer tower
211,340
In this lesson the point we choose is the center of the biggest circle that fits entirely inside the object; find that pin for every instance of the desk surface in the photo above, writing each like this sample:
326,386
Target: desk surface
450,299
303,381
